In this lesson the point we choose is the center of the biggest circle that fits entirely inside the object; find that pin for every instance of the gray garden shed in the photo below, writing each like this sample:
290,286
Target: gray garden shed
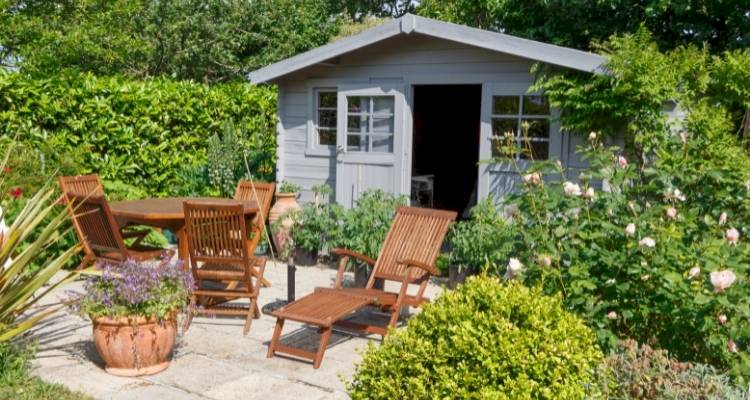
411,107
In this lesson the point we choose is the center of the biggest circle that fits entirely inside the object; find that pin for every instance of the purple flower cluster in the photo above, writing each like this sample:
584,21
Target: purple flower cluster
136,288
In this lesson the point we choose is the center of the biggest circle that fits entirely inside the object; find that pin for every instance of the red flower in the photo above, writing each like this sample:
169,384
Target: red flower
7,170
16,193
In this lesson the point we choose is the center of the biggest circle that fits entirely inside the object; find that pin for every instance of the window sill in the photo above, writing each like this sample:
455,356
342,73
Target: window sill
322,152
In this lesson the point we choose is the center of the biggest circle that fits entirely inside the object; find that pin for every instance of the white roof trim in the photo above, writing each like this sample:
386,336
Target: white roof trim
530,49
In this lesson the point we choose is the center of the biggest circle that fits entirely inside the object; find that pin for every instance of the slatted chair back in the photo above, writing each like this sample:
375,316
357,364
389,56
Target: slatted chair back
216,234
264,192
96,227
415,234
82,185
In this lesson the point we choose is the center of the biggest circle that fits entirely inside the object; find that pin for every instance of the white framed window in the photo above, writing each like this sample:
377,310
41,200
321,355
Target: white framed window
325,117
510,113
370,123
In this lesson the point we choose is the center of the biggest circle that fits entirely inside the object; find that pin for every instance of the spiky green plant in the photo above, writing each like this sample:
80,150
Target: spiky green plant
39,224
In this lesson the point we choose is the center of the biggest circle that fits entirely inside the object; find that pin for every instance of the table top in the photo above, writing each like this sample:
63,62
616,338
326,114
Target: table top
167,208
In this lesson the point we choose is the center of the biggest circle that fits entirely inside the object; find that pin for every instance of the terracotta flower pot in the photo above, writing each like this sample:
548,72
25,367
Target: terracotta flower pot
284,202
134,346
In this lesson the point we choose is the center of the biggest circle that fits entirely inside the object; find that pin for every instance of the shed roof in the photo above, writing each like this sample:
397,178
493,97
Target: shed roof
502,43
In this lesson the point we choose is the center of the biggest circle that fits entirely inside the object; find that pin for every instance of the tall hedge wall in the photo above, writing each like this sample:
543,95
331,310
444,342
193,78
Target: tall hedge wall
143,133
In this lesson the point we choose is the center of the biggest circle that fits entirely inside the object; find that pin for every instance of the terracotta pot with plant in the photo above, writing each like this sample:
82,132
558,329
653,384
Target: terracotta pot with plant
279,216
134,308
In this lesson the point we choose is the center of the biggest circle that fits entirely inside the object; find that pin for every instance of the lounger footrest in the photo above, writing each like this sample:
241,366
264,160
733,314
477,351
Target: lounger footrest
322,308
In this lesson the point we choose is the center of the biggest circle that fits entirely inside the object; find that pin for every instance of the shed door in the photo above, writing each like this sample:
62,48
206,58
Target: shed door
507,107
369,141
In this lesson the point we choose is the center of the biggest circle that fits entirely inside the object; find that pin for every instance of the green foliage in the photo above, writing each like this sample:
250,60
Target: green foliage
316,224
144,134
479,242
206,41
288,187
721,24
640,372
486,339
227,160
364,226
16,382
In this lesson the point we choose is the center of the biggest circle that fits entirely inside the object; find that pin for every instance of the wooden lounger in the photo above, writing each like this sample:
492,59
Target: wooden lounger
407,256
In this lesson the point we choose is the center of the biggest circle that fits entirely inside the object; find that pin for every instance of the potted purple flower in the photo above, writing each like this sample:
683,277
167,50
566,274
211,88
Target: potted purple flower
134,308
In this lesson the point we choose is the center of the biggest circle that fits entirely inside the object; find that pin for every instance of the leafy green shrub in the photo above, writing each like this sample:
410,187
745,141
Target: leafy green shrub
486,339
143,133
315,225
363,227
479,243
640,372
288,187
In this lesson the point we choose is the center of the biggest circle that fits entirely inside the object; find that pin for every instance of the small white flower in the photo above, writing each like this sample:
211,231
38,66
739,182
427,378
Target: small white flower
559,165
544,260
722,319
610,281
592,136
733,236
514,268
612,315
533,178
675,194
630,229
645,277
722,280
631,206
671,213
647,242
589,193
723,218
683,137
694,272
571,189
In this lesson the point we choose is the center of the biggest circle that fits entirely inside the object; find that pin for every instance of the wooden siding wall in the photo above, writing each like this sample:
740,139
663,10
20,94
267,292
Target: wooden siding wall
399,60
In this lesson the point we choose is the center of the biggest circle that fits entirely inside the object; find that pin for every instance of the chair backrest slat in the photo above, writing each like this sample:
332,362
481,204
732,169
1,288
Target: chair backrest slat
82,185
96,227
416,234
265,192
216,233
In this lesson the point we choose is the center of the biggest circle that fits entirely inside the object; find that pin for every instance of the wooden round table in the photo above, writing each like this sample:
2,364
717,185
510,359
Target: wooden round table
167,213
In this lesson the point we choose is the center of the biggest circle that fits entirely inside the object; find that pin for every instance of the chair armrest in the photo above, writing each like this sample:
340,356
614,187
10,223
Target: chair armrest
354,254
423,266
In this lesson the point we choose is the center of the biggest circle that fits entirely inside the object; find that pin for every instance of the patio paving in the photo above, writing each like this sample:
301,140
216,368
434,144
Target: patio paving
213,360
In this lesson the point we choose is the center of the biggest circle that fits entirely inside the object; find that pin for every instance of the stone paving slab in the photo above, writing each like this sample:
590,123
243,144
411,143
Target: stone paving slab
213,360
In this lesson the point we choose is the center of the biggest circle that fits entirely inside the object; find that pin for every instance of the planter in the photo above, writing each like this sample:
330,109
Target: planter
305,258
285,202
457,275
134,346
362,275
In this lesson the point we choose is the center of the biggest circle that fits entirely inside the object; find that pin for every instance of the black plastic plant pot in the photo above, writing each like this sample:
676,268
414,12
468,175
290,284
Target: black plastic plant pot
458,275
305,258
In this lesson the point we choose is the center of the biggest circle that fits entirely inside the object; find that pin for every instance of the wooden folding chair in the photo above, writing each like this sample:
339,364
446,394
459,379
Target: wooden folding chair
98,231
407,256
264,192
217,243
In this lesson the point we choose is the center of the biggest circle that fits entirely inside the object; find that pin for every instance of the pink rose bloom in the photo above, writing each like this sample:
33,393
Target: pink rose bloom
722,319
589,193
721,280
694,272
647,242
571,189
545,260
732,236
732,346
622,162
611,315
630,229
533,179
723,218
514,268
671,213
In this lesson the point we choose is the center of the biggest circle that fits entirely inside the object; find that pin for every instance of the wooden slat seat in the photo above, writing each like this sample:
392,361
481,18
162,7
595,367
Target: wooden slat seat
407,256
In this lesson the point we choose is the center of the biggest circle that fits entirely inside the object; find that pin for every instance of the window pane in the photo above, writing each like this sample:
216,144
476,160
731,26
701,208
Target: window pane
539,150
502,125
327,137
358,104
327,99
538,128
535,105
356,142
382,125
327,118
505,105
382,105
382,144
356,123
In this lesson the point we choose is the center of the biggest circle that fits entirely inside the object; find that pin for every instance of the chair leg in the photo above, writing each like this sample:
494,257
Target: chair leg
395,314
275,337
190,312
85,262
256,312
325,336
250,315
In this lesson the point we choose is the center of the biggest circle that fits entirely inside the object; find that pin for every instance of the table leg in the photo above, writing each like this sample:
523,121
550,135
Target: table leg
182,245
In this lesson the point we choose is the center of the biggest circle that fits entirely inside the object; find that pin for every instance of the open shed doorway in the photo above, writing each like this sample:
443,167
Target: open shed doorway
445,149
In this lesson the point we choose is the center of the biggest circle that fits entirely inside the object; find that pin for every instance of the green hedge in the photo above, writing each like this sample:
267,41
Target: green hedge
144,133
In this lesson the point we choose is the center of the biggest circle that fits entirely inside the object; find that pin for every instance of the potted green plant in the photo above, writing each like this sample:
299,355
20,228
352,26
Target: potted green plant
134,308
314,226
280,215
